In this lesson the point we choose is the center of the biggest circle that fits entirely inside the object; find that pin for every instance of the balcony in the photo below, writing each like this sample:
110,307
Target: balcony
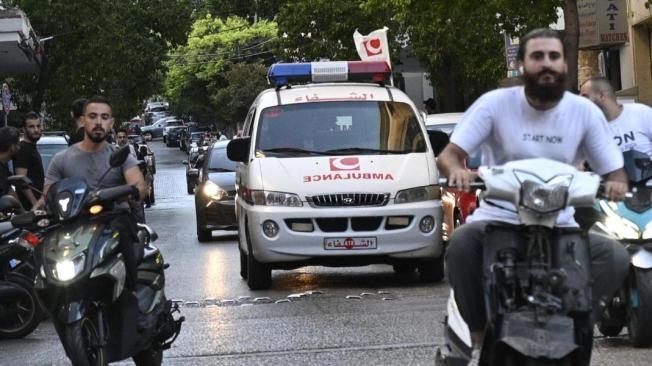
19,45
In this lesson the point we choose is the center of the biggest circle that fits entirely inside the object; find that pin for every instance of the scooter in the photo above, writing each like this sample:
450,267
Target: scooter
20,308
536,276
630,222
82,276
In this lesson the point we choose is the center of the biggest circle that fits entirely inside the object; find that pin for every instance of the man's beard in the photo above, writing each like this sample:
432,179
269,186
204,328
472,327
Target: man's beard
34,138
97,139
552,92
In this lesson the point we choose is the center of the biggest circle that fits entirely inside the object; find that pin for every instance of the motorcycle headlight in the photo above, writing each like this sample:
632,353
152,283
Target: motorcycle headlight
543,197
67,269
213,191
617,225
418,194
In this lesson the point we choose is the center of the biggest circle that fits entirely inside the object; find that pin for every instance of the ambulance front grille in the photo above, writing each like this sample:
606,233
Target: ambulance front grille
348,200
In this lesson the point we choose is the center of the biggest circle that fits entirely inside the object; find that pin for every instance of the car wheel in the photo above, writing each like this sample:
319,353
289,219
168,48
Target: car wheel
259,275
432,270
243,263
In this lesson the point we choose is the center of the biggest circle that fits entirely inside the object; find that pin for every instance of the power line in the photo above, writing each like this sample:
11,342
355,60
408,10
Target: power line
180,55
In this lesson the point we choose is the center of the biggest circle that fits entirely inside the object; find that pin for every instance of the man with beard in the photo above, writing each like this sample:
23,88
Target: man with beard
89,159
537,120
28,160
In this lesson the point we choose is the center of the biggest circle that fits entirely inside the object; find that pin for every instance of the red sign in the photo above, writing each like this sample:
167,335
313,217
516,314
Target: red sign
373,47
344,164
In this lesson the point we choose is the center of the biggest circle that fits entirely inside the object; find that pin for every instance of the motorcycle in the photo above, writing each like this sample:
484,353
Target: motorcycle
20,308
536,279
82,277
630,222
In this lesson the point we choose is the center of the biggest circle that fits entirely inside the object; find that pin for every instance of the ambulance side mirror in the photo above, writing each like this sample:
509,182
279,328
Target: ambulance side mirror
438,140
238,149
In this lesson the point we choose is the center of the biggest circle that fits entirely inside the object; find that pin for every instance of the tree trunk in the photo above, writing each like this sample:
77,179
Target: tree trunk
572,39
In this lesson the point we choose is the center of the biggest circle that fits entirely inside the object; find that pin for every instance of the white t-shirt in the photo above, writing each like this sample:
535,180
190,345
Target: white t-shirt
632,130
507,128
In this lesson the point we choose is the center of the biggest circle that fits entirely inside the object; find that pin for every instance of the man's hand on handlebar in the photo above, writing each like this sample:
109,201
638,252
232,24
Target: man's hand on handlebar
462,179
615,190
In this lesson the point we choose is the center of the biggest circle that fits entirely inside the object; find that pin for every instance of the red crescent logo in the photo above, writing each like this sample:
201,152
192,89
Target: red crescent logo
373,47
339,164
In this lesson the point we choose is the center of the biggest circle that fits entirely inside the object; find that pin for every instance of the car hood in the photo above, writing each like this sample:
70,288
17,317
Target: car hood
361,174
226,180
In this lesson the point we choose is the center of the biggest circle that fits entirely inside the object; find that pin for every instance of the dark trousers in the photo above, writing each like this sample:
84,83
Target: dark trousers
609,267
129,245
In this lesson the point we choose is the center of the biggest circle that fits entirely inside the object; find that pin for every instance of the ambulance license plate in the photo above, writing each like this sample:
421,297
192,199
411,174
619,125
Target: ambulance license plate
350,243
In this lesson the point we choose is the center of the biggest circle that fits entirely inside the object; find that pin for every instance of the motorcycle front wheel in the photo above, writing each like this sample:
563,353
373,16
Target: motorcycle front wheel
20,317
149,357
640,319
82,344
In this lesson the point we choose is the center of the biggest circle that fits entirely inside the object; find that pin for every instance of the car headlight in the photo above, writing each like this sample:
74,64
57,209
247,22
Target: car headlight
67,269
271,198
418,194
213,191
619,226
543,196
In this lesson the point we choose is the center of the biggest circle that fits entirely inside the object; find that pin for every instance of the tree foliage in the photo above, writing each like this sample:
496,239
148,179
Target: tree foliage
247,9
111,47
204,74
323,29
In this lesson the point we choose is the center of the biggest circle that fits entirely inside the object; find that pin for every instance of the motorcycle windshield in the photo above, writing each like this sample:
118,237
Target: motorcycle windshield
638,166
66,198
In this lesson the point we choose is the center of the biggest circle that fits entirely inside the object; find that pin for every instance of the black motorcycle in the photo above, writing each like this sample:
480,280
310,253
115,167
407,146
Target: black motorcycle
20,309
82,278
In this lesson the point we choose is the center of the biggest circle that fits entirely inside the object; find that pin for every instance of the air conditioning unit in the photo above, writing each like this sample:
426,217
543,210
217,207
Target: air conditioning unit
19,46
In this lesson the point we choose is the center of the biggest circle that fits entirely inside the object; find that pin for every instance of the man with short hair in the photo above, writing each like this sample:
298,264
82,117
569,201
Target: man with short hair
9,146
630,123
76,113
89,160
28,160
537,120
122,139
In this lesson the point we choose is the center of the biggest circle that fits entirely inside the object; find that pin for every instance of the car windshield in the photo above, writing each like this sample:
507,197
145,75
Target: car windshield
47,151
175,123
339,128
219,162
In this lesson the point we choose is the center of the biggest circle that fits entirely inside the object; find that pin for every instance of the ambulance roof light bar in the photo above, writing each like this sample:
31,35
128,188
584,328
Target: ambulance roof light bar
319,72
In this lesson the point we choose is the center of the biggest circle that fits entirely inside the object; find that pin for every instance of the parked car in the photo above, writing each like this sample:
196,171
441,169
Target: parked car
215,194
174,134
48,146
156,129
193,164
169,126
457,205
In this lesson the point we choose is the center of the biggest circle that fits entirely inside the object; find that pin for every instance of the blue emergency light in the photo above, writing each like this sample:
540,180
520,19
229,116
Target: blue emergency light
320,72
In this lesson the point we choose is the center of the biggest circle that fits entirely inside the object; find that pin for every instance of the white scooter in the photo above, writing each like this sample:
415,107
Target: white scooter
536,276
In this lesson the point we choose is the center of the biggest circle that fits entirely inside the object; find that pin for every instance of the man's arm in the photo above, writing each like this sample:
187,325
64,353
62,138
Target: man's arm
451,163
134,177
26,191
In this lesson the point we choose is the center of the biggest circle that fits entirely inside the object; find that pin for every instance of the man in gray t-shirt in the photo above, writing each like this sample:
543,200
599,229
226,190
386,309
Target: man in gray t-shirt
89,160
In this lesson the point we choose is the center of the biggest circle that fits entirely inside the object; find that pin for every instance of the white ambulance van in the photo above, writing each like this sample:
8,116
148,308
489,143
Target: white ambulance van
335,171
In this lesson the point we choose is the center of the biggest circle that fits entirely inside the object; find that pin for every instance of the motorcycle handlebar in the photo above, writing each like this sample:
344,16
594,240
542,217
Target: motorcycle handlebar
115,193
477,184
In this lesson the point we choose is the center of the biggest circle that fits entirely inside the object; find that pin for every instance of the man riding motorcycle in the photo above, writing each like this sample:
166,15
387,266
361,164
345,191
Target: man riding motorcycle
537,120
89,159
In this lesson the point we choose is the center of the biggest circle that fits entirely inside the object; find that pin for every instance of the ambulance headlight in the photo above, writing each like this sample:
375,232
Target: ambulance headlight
418,194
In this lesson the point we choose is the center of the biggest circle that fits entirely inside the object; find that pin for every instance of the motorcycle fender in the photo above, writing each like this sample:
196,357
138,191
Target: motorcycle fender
642,259
553,338
71,312
117,271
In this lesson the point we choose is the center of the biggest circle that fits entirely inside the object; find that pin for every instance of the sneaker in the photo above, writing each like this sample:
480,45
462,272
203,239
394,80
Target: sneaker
475,357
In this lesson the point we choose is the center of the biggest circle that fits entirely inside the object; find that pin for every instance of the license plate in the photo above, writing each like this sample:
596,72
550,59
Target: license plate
350,243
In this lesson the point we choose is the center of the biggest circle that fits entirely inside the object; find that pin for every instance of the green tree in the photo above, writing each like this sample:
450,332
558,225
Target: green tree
114,48
323,29
247,9
200,71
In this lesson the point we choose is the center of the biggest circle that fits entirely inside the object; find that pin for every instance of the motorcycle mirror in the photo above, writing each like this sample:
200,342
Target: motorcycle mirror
119,156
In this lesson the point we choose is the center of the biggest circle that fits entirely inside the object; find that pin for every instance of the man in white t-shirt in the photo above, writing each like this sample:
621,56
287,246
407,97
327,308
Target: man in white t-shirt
630,123
539,120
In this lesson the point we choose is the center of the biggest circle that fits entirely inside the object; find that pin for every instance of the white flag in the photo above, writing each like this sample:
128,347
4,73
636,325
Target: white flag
374,46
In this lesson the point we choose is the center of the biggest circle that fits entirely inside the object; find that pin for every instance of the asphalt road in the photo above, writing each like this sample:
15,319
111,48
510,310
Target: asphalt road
313,315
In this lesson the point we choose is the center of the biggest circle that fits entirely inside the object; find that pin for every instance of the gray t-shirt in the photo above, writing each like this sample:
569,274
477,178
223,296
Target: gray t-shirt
88,166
